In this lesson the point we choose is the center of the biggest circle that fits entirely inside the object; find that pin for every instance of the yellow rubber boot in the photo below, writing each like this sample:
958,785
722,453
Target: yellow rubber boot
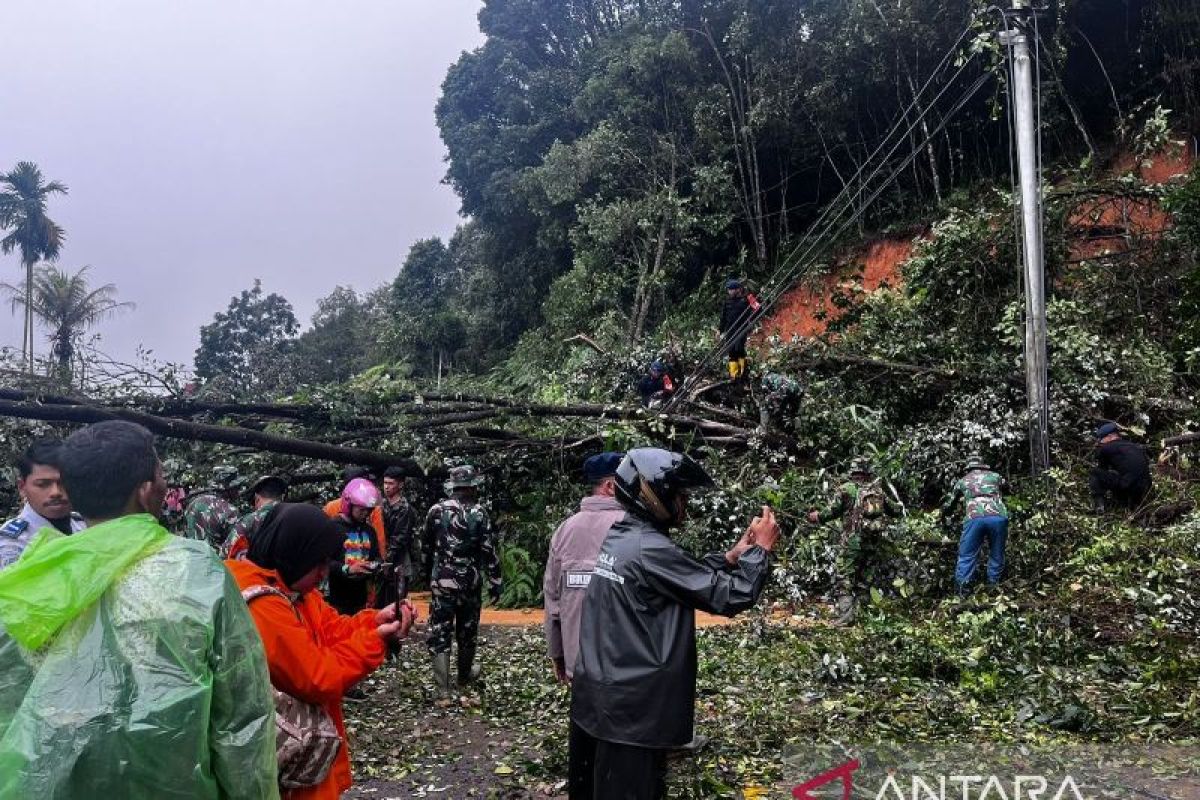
733,369
742,368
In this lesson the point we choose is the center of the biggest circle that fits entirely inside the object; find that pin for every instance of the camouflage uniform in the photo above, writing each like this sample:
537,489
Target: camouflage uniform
209,518
463,544
864,505
983,491
239,540
781,399
985,521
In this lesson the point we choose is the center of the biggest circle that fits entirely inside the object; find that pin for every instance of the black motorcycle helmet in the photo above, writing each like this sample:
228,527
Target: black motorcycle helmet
651,483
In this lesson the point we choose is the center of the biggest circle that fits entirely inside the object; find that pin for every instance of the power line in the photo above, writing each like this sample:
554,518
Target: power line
853,190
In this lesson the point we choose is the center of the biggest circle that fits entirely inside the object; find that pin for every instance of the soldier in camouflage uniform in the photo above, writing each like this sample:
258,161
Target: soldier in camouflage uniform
781,400
982,491
462,545
267,492
210,516
863,503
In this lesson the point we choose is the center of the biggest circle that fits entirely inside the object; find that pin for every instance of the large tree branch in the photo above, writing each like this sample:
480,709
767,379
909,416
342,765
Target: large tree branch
1181,439
195,431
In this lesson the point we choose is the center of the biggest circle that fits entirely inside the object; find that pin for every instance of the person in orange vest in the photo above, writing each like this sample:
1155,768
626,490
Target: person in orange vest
656,385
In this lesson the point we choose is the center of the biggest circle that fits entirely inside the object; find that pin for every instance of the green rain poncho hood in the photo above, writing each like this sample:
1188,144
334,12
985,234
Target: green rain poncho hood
58,577
130,667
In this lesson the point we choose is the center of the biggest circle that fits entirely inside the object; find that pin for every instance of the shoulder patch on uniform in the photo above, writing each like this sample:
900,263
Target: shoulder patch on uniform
15,527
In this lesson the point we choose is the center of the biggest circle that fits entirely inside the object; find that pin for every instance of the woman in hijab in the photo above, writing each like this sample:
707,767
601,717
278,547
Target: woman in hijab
314,653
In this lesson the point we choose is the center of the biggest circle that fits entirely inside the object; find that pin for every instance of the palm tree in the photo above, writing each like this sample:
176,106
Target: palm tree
23,214
67,305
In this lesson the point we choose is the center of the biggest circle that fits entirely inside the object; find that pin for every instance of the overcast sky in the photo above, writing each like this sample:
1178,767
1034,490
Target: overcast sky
209,142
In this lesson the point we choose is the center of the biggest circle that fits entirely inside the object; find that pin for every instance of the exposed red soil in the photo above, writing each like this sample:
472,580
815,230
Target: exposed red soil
1100,225
807,310
1161,167
1112,224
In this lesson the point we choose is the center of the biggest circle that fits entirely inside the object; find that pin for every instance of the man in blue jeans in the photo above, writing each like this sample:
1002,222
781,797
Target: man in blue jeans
982,491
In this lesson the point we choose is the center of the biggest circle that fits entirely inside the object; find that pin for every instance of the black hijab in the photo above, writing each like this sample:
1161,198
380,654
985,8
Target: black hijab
294,538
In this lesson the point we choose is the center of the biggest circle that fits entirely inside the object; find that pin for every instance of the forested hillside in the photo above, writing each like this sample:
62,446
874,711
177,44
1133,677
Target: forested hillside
615,159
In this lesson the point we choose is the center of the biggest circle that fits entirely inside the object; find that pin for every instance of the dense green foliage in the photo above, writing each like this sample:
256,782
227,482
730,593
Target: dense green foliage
614,156
242,345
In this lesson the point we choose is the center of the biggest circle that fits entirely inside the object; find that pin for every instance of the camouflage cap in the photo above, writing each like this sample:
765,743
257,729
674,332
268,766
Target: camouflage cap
463,477
861,466
977,461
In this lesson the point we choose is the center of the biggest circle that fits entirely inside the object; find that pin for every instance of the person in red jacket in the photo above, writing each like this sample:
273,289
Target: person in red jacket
313,653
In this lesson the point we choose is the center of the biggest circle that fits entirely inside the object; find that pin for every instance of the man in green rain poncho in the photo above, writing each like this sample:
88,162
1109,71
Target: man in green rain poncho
129,665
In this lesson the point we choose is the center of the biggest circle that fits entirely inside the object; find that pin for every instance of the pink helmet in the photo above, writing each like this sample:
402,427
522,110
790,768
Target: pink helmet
359,492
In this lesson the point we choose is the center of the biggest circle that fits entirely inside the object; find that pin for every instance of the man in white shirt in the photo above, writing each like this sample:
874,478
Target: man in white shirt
46,502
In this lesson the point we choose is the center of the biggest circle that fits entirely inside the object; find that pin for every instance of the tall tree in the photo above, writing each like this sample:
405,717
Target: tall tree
243,345
30,230
344,335
68,305
428,325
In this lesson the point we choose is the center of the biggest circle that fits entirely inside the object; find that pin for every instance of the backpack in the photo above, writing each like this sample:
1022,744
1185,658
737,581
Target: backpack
870,506
306,738
473,537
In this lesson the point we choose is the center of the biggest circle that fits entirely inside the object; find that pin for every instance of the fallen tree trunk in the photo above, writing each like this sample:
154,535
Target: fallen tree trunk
195,431
175,407
1181,439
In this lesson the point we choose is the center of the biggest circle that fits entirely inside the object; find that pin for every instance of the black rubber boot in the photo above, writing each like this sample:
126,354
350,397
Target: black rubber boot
847,608
441,677
468,670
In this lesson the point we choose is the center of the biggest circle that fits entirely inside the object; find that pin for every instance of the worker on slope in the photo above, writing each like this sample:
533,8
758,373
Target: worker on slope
657,385
1122,471
986,520
863,503
736,315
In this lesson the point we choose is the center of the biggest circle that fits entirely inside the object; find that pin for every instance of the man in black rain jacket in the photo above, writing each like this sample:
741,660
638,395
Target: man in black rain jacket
1122,470
737,311
634,682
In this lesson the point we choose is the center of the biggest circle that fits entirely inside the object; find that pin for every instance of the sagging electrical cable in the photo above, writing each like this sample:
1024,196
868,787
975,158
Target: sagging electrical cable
843,201
779,285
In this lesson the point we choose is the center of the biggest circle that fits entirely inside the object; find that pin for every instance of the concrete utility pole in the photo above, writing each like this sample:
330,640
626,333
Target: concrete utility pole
1029,166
